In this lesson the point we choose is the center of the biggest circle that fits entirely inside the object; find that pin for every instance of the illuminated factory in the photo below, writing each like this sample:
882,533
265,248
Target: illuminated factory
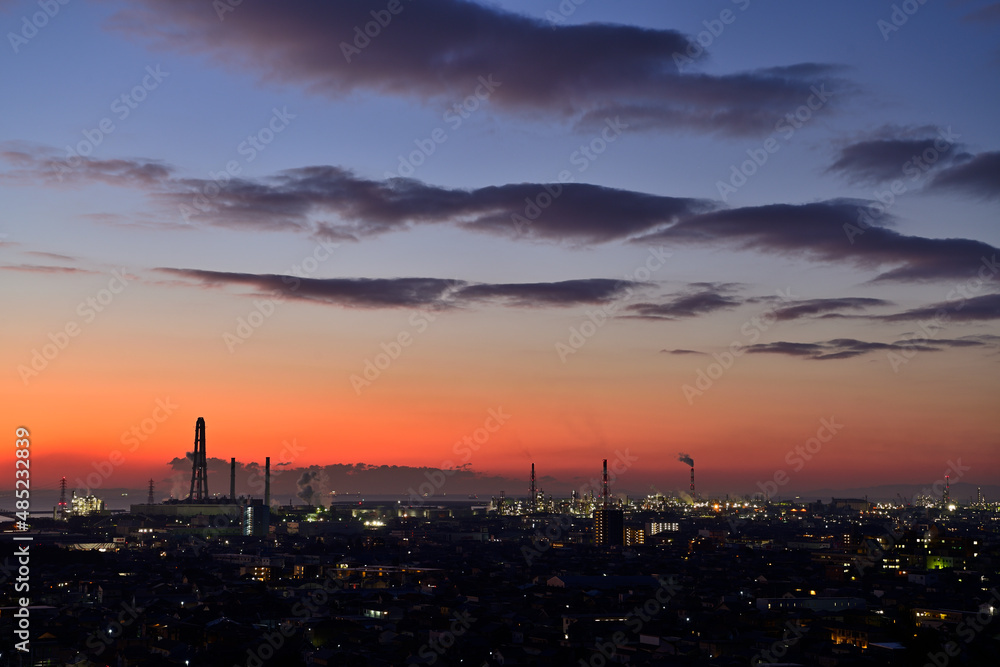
201,512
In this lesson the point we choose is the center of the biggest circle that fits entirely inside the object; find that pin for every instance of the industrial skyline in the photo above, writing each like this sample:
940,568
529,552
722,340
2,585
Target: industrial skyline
314,486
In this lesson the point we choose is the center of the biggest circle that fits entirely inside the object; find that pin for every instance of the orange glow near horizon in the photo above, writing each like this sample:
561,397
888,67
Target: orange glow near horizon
565,417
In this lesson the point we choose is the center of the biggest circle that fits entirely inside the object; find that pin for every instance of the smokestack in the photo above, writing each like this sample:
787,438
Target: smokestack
267,481
605,484
533,493
684,458
232,480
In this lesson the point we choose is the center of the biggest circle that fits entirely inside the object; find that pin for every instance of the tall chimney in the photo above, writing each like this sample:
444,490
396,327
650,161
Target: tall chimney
692,482
267,481
232,480
533,492
605,484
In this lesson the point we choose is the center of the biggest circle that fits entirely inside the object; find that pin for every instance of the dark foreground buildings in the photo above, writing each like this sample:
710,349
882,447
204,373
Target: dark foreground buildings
452,584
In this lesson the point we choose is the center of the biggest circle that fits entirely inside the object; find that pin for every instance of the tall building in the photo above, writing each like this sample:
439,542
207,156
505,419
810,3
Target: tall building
634,536
609,527
256,518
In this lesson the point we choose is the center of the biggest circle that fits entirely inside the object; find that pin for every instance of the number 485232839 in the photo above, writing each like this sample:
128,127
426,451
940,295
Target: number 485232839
22,464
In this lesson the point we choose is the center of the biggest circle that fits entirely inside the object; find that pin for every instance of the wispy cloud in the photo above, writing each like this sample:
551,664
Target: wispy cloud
847,348
818,231
698,299
981,308
41,268
827,308
429,293
897,153
980,177
40,165
304,199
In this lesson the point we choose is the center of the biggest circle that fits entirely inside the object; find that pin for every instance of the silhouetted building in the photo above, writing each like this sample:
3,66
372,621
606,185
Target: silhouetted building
256,518
609,527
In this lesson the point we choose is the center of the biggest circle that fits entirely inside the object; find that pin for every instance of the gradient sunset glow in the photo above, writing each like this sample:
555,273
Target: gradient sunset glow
712,228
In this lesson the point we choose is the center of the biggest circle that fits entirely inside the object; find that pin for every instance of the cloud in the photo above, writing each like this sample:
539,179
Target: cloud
682,351
980,176
973,309
50,255
826,308
847,348
988,14
430,293
347,292
39,268
832,231
303,199
35,164
895,157
593,290
440,50
572,211
702,299
839,348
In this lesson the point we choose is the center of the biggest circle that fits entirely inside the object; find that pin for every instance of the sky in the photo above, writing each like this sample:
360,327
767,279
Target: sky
452,234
